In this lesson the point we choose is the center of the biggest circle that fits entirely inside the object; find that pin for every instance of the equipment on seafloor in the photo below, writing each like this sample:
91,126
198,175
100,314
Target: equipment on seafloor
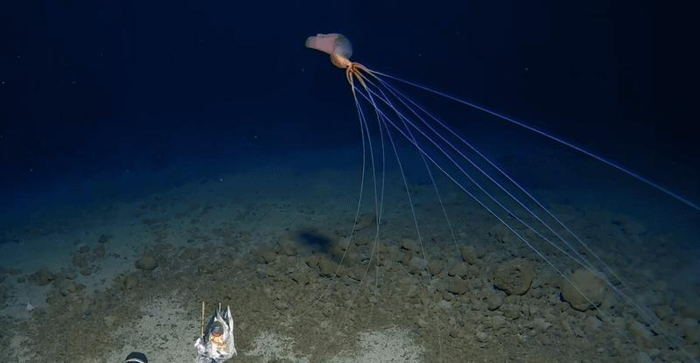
136,357
216,344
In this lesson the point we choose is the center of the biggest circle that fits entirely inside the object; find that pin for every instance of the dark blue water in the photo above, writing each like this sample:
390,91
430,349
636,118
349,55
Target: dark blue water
90,88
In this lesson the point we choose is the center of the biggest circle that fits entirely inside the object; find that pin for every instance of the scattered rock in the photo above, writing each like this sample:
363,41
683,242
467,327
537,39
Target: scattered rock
267,255
457,286
540,324
71,287
130,281
359,241
435,266
42,277
281,305
408,244
457,334
643,357
458,269
207,269
147,262
641,335
592,290
337,249
70,275
629,226
237,238
469,254
86,271
495,300
514,277
99,251
53,298
498,322
592,325
502,234
353,273
288,246
13,271
416,265
327,267
445,305
80,259
510,311
104,238
84,249
365,221
190,253
691,330
610,301
533,310
312,260
269,272
691,310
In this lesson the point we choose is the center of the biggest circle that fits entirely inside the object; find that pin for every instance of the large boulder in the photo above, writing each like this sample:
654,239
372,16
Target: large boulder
514,277
469,254
435,266
327,267
584,290
147,262
42,277
501,233
288,246
458,286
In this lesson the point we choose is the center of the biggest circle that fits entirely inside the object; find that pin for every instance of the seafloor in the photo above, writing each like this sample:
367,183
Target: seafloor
123,271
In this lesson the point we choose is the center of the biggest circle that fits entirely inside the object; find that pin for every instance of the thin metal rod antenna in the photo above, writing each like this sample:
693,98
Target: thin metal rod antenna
202,321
